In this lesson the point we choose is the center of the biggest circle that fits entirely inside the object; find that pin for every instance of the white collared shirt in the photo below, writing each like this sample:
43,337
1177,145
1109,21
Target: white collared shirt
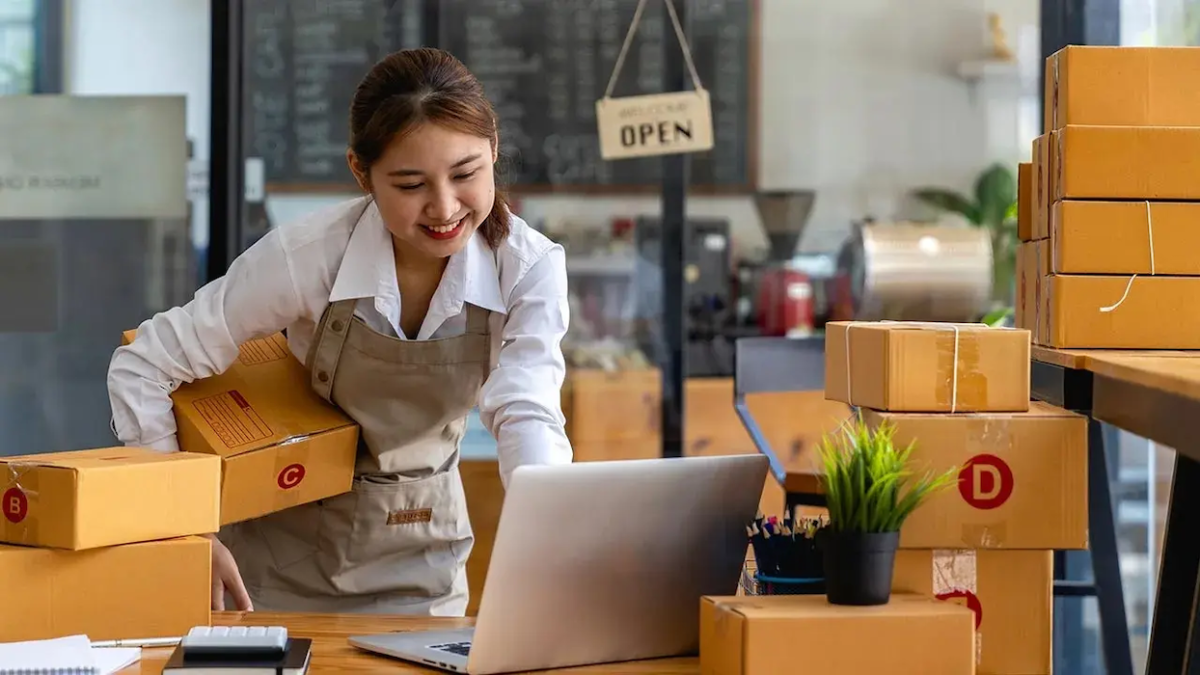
286,280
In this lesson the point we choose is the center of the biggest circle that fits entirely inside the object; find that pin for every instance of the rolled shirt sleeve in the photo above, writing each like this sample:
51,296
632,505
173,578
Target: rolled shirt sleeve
255,298
520,402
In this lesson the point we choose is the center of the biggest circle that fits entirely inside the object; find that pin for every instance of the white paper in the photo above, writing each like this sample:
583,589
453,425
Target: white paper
73,653
64,653
111,659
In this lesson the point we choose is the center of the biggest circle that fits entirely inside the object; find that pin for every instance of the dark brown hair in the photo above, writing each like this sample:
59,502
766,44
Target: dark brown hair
412,86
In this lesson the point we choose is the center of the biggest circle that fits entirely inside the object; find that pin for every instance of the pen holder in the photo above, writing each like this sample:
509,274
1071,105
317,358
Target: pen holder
768,585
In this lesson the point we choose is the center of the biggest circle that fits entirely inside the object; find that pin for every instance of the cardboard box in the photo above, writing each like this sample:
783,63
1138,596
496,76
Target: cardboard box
1010,592
612,407
789,634
144,590
1022,483
1108,237
1038,176
91,498
1042,255
1025,201
1026,285
927,367
1042,187
1134,86
1127,163
1122,312
1052,160
281,443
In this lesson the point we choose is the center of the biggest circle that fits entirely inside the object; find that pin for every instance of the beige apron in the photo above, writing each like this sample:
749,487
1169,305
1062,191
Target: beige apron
398,542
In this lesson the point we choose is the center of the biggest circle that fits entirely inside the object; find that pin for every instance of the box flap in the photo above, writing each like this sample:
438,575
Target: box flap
99,458
791,607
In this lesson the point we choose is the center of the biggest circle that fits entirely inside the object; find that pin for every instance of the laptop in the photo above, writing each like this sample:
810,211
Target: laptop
599,562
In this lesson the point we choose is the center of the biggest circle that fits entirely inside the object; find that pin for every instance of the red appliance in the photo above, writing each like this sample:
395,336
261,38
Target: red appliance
785,302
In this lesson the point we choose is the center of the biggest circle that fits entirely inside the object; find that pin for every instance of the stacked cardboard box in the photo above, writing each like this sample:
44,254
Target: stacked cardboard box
961,393
106,543
1110,201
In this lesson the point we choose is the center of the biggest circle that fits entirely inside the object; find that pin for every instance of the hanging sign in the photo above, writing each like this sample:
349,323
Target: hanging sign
93,157
655,124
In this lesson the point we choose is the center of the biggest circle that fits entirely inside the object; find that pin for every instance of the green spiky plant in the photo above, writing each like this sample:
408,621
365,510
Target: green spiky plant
868,484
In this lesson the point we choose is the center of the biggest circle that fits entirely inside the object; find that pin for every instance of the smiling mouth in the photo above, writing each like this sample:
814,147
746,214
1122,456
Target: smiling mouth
444,231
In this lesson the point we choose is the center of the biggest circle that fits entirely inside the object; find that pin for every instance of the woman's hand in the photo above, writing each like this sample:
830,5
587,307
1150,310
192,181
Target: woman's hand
225,577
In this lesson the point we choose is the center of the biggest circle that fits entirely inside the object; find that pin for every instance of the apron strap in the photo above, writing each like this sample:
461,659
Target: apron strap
331,335
477,320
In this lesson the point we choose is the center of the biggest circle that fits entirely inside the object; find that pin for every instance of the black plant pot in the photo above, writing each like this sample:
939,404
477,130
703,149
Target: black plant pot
858,566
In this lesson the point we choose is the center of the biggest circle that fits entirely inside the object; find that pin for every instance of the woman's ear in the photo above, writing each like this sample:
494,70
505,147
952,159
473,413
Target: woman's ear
360,175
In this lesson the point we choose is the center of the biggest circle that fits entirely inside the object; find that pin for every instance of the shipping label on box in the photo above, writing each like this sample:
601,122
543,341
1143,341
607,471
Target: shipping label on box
282,444
1110,163
1122,312
1010,592
91,498
1022,480
1123,86
145,590
757,635
927,367
1111,237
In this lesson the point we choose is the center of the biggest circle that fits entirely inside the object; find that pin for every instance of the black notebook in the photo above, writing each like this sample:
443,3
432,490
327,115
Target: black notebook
294,662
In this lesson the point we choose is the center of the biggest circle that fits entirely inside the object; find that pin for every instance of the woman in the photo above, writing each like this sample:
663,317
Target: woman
410,306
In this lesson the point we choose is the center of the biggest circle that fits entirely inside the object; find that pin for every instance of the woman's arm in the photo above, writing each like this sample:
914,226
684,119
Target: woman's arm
521,401
255,298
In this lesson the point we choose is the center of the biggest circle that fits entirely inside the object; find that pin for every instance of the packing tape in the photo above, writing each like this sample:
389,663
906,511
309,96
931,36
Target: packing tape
958,358
19,501
956,577
1150,240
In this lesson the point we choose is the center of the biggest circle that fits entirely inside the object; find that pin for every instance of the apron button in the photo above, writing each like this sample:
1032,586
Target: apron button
323,376
337,326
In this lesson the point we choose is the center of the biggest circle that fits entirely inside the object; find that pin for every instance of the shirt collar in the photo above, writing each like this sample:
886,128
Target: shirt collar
482,276
367,260
368,266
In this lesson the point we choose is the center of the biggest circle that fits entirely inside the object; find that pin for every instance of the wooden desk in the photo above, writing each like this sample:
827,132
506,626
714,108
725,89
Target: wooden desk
333,654
1156,395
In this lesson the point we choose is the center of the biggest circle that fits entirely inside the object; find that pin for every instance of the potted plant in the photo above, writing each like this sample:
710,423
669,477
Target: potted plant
993,206
869,492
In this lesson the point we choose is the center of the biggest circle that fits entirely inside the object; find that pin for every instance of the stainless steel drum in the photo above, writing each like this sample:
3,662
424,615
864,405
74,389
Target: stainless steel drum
916,272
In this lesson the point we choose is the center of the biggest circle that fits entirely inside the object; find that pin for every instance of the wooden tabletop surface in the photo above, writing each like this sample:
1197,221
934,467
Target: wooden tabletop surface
1177,372
333,654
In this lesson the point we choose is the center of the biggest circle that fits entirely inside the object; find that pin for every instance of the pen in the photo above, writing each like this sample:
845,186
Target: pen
146,642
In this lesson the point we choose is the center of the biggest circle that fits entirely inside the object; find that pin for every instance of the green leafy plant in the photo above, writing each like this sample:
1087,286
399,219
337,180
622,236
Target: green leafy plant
994,206
867,482
999,318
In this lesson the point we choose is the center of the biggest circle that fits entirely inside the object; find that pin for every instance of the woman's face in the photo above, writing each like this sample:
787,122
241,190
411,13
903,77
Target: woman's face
434,187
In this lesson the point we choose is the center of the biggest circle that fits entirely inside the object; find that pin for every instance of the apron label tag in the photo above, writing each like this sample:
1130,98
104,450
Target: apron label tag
410,516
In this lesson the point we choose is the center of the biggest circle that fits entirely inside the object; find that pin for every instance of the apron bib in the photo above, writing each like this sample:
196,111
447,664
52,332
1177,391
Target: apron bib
398,542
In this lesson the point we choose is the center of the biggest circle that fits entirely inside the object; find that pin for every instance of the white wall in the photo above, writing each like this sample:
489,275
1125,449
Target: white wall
861,101
145,47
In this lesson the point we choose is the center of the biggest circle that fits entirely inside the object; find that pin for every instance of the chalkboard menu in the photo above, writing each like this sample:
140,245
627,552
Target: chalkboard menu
543,63
302,62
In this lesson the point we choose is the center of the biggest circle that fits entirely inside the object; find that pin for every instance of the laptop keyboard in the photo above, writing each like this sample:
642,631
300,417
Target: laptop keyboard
460,648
